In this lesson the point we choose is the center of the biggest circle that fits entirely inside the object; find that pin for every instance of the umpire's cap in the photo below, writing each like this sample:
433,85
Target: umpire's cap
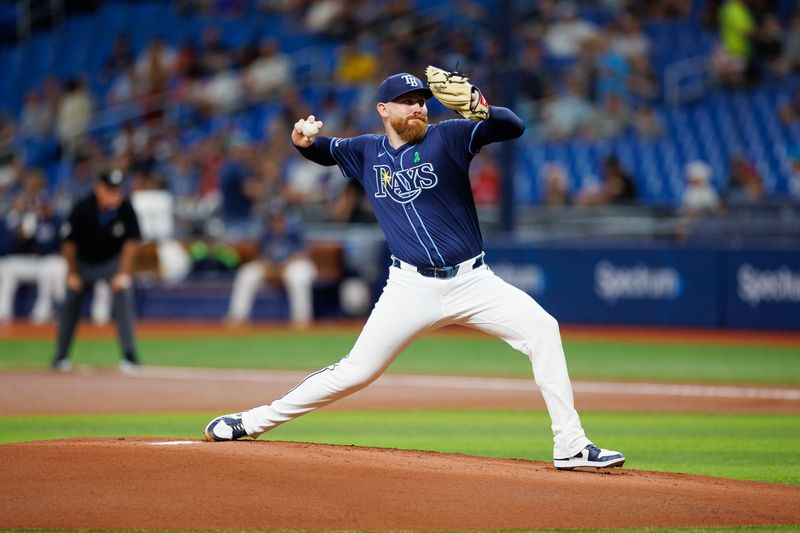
111,178
397,85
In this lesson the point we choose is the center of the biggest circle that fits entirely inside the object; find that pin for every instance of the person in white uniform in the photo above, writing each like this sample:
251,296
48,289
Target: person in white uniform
416,177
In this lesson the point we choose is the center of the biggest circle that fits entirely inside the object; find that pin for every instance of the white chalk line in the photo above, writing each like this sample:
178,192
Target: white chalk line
482,383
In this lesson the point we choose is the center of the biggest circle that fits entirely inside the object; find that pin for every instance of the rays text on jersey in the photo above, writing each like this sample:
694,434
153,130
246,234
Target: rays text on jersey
404,185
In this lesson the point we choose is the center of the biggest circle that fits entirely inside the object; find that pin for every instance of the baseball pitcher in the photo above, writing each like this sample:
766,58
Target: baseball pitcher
416,177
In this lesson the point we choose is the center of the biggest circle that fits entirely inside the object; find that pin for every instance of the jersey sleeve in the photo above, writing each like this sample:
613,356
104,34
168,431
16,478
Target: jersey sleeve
349,155
502,125
457,135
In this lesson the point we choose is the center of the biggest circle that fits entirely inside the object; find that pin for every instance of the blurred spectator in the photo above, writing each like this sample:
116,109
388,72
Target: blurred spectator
794,177
460,49
768,45
270,73
567,33
225,8
612,119
213,55
189,82
75,182
74,114
791,41
123,89
617,187
356,64
243,56
660,9
34,251
732,59
699,201
647,123
36,119
361,18
283,258
182,177
789,110
187,61
568,113
9,157
223,92
239,187
555,184
534,76
335,115
745,185
306,182
628,39
699,198
154,66
484,177
291,104
327,17
145,167
642,81
351,206
210,156
611,69
129,140
271,180
120,59
533,17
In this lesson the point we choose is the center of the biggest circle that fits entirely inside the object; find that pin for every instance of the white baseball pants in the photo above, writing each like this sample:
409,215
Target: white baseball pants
298,279
412,305
49,272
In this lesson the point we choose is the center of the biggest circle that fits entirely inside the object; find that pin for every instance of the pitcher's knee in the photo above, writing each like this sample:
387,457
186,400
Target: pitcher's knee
356,377
547,325
552,322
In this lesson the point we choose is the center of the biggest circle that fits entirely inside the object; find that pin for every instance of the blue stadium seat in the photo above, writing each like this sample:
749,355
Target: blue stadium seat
720,124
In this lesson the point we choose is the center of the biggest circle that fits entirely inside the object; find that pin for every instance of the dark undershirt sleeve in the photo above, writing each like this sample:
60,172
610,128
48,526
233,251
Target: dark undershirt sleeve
319,152
502,125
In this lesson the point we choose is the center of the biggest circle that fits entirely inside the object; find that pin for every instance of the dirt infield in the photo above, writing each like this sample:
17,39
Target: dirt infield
140,484
156,484
161,389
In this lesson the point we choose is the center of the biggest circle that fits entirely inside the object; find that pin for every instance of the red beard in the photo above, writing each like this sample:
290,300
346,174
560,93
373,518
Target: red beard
410,129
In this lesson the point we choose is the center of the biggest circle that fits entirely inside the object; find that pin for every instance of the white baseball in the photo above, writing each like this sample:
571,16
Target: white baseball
309,129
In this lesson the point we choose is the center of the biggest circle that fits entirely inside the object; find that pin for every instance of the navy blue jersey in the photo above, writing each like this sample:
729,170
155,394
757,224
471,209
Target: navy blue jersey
420,192
279,245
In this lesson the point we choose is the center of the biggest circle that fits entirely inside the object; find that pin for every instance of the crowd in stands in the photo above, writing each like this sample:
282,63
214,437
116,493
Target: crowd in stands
576,77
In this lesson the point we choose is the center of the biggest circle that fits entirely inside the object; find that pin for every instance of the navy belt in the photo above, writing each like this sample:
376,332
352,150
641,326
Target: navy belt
445,272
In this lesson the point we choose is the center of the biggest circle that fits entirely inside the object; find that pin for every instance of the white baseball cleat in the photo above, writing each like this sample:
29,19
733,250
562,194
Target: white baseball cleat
129,367
62,366
591,456
226,427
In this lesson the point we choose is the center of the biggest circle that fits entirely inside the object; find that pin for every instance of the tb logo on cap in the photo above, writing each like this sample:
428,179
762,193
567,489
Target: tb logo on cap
410,80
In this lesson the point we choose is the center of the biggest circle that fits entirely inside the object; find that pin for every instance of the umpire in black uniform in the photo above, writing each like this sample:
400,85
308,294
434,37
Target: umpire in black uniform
101,239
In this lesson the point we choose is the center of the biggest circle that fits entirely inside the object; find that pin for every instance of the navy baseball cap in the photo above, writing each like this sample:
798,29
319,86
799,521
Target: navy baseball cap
397,85
112,178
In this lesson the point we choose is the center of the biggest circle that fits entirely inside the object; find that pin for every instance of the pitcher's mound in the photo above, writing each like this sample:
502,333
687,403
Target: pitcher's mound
160,484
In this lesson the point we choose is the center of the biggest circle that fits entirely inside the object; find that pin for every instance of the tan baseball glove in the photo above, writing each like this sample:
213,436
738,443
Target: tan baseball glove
455,92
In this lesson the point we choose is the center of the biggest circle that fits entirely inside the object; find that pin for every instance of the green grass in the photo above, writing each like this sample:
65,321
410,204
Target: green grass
740,446
442,355
760,447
